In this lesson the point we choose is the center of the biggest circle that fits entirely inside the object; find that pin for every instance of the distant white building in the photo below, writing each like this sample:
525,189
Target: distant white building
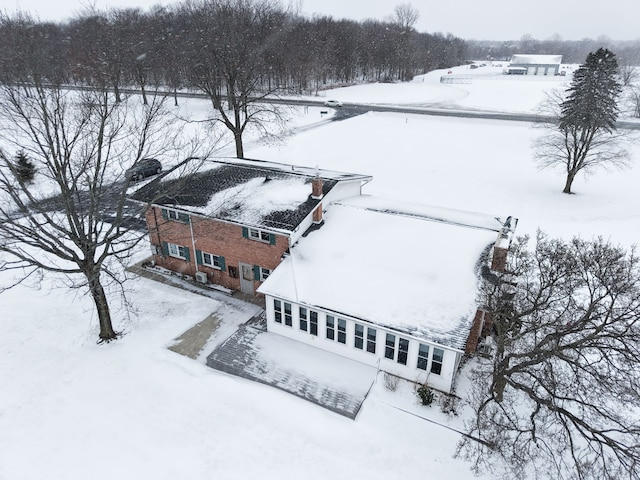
389,285
534,65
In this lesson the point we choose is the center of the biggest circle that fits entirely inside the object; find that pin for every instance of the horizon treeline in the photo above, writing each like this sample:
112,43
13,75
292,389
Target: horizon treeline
278,49
169,47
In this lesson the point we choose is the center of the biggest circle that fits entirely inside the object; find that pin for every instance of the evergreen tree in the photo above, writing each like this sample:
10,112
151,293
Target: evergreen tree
588,117
25,170
583,136
592,100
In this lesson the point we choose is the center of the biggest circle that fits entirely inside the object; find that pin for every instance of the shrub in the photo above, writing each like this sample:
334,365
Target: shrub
391,382
25,170
426,394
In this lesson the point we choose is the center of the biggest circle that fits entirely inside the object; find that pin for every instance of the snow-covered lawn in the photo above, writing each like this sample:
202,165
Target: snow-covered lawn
72,410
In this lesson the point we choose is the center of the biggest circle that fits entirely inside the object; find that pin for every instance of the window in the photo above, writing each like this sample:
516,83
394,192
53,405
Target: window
403,350
358,340
423,356
282,310
288,319
215,261
177,251
264,273
258,235
390,347
303,319
169,214
313,323
371,340
342,331
255,234
277,310
436,361
331,328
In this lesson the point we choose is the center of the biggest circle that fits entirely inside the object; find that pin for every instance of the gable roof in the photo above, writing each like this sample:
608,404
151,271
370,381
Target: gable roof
536,59
409,268
248,192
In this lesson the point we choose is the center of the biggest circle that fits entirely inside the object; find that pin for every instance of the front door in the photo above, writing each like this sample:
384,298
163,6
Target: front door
246,278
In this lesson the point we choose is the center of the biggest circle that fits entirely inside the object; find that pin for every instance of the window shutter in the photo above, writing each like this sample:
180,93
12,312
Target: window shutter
186,254
165,249
245,232
183,217
198,257
272,239
256,272
165,215
223,265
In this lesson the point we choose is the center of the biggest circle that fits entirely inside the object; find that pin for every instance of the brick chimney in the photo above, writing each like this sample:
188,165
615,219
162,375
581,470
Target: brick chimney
316,188
501,247
316,194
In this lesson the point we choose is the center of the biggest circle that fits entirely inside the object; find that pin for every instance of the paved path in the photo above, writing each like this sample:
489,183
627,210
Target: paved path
326,379
191,342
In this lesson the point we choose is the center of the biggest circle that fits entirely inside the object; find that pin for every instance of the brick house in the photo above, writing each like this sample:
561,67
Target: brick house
231,224
384,283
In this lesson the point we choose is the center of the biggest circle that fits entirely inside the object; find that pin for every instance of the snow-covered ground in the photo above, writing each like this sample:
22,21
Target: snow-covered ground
70,409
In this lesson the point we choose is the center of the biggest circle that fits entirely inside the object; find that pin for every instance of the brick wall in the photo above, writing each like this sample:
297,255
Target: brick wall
214,237
476,332
499,260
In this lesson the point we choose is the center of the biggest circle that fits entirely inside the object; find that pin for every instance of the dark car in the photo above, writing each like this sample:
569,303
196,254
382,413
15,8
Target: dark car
144,168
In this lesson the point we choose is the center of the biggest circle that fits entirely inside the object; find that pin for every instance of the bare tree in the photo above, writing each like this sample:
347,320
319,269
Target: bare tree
405,18
633,99
72,219
228,43
561,395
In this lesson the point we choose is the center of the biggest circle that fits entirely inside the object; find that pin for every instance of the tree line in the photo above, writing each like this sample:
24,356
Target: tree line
174,47
572,51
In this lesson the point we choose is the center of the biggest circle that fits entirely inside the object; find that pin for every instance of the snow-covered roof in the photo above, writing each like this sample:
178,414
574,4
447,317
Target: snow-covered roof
409,268
536,59
249,192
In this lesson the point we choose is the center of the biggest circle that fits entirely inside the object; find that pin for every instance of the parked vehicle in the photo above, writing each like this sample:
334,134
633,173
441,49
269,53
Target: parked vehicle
332,103
144,168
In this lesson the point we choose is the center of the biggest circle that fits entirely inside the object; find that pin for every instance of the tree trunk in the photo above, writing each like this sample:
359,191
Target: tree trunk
239,148
567,185
102,306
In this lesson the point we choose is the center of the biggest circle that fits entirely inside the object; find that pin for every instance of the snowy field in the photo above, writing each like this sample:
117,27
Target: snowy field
72,410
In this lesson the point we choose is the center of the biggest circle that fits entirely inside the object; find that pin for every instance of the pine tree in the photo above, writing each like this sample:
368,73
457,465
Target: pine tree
585,136
590,109
25,170
592,100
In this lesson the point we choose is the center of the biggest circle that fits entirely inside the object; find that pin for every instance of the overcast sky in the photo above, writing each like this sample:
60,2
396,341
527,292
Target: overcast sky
468,19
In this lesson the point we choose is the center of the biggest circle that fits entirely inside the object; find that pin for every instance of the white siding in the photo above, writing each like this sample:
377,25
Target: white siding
442,381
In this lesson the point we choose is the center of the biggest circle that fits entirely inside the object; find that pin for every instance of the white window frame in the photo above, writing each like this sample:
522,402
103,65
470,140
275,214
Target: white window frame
258,235
174,215
359,336
264,273
436,362
423,357
176,251
313,323
371,340
390,346
213,258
